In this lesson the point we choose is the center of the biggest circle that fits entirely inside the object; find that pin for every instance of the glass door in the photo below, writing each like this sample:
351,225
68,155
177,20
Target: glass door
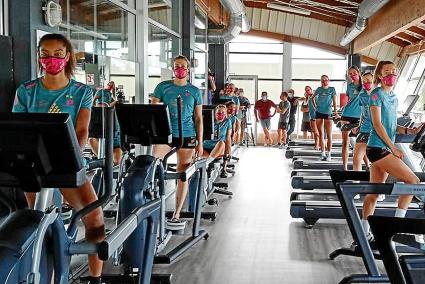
249,83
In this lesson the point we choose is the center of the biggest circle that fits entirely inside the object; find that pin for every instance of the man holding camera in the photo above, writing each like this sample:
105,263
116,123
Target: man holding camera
106,97
211,86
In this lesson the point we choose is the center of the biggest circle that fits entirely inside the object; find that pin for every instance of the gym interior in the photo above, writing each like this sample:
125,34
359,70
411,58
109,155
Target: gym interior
212,141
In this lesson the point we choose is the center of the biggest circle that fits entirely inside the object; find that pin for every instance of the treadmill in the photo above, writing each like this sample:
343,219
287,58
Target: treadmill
319,181
295,152
314,205
309,142
311,206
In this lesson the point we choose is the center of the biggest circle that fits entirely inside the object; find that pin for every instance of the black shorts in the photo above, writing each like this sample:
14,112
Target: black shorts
188,142
282,125
208,150
351,120
362,137
305,126
375,154
320,115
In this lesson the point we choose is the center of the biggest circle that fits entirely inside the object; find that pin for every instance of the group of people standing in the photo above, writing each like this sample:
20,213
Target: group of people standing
371,101
372,105
287,108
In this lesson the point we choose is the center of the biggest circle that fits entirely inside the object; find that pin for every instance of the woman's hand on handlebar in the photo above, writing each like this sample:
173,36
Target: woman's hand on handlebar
355,130
416,130
199,150
398,153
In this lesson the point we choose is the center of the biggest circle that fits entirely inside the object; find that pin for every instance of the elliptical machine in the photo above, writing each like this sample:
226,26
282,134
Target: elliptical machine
34,243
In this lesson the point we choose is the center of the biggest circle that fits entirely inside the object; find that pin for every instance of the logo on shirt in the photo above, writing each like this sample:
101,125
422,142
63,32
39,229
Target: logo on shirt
69,100
374,97
187,93
54,109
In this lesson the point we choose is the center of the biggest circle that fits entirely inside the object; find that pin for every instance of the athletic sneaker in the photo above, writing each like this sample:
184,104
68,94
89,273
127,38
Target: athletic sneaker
241,144
66,211
371,240
266,145
224,174
328,158
175,224
323,156
420,239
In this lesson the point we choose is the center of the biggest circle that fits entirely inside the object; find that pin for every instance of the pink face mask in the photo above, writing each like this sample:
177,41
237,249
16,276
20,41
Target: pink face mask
325,83
367,86
389,80
180,72
220,116
53,65
354,78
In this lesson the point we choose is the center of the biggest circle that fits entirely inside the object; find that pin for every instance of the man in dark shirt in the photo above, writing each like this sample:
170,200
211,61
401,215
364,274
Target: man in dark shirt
244,109
292,113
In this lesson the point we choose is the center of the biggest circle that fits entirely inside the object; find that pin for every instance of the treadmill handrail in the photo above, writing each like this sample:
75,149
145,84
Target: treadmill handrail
384,229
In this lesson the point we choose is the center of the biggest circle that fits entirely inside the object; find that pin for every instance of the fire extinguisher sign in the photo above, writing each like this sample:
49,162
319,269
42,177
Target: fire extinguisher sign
90,79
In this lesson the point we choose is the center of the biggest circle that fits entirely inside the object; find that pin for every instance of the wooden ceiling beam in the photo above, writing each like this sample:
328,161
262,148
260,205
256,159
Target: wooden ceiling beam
327,4
393,18
408,37
369,60
317,14
398,41
417,31
413,49
298,40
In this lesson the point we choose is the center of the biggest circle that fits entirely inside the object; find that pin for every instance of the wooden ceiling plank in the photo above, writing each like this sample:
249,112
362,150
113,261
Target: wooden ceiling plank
298,40
393,18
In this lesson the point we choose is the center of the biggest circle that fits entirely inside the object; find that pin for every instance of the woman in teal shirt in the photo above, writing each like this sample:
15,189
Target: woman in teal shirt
365,125
107,97
222,130
325,98
385,157
351,112
192,128
309,94
57,92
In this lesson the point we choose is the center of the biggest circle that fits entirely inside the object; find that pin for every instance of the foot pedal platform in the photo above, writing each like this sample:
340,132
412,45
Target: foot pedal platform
223,191
122,278
220,184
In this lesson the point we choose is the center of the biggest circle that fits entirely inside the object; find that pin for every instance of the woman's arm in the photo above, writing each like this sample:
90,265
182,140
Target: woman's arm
82,127
155,100
275,109
199,126
334,105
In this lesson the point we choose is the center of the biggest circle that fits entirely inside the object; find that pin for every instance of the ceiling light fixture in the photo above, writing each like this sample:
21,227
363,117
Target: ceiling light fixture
288,9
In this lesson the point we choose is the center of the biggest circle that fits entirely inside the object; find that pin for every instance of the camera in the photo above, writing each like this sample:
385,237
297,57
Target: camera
120,94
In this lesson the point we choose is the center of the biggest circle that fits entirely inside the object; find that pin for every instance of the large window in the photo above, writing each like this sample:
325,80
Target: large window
309,64
165,12
249,55
411,81
162,48
99,27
